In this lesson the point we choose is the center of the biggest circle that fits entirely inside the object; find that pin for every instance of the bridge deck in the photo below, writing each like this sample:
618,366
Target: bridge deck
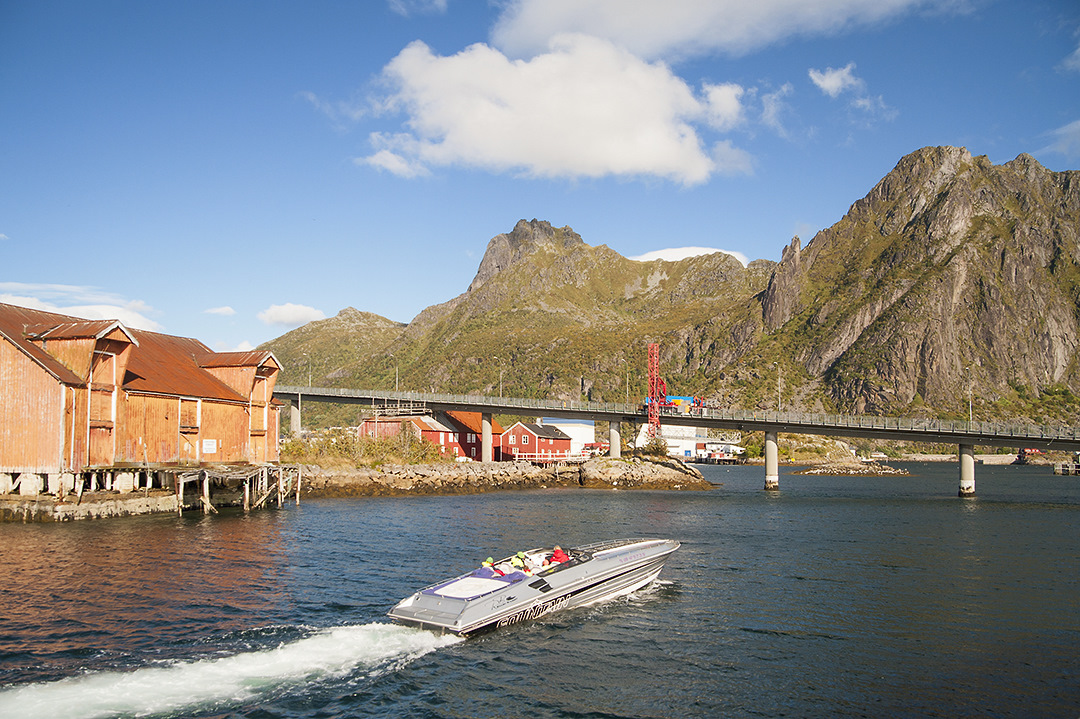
902,428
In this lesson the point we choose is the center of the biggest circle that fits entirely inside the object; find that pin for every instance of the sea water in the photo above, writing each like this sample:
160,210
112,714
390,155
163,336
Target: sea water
836,596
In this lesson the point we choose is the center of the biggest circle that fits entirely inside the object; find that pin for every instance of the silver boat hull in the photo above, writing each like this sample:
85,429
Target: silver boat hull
480,600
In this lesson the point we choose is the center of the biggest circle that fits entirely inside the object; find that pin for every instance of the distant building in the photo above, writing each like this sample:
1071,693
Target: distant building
582,432
95,397
692,443
534,442
457,434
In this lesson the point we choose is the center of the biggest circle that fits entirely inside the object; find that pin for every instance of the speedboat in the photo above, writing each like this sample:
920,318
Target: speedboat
500,595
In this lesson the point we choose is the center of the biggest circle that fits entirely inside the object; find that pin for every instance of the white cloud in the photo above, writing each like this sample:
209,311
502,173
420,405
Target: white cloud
832,82
773,106
1065,141
585,108
1072,62
3,237
290,315
392,162
674,254
730,160
836,81
343,114
244,346
723,105
677,28
225,311
89,303
405,8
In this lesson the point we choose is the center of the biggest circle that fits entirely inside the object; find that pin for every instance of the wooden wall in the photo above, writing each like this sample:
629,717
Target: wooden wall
149,429
75,354
32,412
228,424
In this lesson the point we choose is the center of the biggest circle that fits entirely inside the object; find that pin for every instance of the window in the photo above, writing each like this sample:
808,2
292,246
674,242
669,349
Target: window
512,438
524,439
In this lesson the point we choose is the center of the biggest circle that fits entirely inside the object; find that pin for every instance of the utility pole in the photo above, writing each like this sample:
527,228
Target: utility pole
626,383
777,366
968,370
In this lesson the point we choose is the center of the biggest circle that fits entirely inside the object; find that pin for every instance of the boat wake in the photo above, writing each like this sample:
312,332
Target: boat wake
213,683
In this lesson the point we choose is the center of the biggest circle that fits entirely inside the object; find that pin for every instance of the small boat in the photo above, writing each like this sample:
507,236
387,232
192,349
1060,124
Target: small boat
485,599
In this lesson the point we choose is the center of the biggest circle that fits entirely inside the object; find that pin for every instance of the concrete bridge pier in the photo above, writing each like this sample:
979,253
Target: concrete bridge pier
487,453
294,417
614,439
772,462
967,470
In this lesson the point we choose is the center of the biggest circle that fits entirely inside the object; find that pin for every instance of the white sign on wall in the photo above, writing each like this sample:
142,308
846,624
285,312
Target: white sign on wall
209,446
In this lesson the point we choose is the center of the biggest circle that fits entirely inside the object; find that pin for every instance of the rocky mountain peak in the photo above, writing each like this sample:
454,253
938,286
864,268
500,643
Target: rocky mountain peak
782,294
527,237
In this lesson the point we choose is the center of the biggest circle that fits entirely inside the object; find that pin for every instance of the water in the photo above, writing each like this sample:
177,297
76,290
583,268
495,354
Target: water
837,596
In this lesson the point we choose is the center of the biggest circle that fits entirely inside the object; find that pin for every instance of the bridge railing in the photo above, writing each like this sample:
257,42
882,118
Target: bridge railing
909,424
389,397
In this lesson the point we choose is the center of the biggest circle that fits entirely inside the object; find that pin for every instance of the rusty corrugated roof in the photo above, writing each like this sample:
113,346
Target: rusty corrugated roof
251,358
80,329
165,364
161,364
14,325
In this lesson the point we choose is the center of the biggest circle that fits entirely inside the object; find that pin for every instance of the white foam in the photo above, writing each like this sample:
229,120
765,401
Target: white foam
151,690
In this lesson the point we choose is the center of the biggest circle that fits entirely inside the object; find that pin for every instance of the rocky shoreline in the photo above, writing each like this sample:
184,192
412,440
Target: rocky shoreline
855,469
477,477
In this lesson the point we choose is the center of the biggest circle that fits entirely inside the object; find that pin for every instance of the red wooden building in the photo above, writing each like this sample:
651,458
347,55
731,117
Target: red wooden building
95,397
457,434
534,442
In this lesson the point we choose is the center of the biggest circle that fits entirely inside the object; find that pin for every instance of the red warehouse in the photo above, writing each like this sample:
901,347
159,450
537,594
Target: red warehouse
93,397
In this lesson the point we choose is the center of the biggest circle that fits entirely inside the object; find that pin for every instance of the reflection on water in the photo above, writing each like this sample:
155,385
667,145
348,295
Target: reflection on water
95,592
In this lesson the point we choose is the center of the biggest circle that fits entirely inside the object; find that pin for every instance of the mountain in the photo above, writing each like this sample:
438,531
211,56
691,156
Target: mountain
951,271
951,274
321,350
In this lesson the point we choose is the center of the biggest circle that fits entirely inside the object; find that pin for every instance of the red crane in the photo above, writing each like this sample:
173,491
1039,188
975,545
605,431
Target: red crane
657,390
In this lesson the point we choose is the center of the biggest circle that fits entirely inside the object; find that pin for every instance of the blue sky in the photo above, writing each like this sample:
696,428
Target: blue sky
229,170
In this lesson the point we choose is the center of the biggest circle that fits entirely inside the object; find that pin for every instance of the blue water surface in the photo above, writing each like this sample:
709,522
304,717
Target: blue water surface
836,596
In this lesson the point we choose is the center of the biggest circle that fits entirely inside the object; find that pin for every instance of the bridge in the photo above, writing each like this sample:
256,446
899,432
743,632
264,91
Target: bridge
966,435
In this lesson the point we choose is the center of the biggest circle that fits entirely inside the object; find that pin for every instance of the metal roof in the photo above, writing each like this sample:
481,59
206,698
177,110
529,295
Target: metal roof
14,325
159,363
251,358
164,364
544,430
80,329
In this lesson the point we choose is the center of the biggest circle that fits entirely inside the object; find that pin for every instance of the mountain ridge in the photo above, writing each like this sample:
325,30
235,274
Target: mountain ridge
951,272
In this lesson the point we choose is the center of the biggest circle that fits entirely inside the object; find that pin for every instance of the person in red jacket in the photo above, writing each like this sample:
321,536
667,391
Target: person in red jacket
559,555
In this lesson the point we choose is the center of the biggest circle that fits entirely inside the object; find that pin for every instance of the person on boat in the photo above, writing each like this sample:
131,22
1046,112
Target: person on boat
558,556
489,564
